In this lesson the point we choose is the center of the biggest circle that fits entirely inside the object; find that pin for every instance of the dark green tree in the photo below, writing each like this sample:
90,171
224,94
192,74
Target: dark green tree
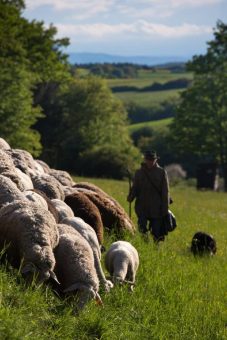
200,124
95,127
32,68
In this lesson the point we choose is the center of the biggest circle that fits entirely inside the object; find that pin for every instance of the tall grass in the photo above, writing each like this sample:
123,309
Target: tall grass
177,296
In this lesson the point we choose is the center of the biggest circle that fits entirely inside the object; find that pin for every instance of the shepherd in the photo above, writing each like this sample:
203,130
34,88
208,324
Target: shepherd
150,188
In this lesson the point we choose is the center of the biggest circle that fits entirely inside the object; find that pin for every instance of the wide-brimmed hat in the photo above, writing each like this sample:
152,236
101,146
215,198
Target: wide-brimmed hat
150,154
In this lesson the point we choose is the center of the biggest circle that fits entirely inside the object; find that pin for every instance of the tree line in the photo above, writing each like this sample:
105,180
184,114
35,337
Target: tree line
79,125
75,124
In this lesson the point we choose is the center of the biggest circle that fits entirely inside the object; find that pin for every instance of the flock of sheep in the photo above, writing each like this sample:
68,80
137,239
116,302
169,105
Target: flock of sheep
51,228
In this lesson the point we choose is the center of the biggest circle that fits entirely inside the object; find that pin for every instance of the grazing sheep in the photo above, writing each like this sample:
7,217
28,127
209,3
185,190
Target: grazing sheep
8,169
9,191
19,160
68,190
84,208
203,243
95,188
62,176
75,266
39,197
49,185
44,165
30,234
25,179
122,261
63,210
89,234
27,157
4,145
38,169
112,217
36,198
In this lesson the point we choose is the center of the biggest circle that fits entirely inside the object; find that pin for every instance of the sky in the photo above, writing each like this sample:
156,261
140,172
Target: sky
132,27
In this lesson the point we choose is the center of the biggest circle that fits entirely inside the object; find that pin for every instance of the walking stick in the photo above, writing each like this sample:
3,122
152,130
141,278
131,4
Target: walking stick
130,186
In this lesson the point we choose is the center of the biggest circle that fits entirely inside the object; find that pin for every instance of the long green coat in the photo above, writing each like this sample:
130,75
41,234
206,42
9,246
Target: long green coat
151,190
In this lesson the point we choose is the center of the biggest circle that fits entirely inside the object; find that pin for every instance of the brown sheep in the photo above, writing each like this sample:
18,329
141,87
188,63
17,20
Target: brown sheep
84,208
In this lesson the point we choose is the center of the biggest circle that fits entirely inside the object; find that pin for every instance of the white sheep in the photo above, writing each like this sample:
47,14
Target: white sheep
49,185
9,191
29,233
90,235
36,198
122,262
8,169
62,176
63,209
25,179
75,266
44,165
3,144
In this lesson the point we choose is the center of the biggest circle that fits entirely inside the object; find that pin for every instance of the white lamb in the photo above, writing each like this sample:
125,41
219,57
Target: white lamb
122,262
90,235
75,266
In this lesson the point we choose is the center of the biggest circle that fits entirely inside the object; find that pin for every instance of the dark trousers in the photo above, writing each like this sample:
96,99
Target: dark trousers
155,226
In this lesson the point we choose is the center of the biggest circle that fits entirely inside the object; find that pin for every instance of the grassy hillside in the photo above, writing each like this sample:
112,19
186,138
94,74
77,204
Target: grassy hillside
148,77
158,125
176,296
149,98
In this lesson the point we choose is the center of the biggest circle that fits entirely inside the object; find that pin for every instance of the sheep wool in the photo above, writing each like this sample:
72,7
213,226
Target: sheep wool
112,217
63,209
75,265
4,145
39,200
9,191
84,208
30,234
25,179
122,262
44,165
88,233
62,176
8,169
49,185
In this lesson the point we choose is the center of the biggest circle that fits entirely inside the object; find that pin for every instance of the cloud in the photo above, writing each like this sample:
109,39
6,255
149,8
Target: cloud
81,6
142,28
133,8
161,8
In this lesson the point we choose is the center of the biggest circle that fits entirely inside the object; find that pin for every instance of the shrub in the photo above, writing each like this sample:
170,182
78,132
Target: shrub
107,161
175,173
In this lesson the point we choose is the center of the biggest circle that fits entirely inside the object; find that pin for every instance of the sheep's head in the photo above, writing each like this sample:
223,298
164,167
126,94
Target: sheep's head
84,294
33,272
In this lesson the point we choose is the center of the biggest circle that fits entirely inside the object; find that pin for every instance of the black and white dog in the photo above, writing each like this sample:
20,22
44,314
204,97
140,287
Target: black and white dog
203,243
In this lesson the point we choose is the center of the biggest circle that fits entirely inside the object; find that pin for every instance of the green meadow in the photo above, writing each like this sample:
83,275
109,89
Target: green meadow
157,125
149,98
177,296
149,77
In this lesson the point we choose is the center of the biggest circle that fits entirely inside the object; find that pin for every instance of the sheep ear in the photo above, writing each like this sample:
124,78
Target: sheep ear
98,299
28,268
54,277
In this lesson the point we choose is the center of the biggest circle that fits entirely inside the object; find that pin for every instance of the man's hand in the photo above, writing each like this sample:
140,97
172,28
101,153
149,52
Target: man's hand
129,198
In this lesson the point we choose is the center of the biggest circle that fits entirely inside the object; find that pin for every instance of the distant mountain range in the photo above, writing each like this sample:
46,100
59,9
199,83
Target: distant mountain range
100,58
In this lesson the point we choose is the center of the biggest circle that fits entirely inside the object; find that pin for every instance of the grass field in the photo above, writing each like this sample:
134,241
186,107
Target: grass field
177,296
157,125
147,99
146,78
